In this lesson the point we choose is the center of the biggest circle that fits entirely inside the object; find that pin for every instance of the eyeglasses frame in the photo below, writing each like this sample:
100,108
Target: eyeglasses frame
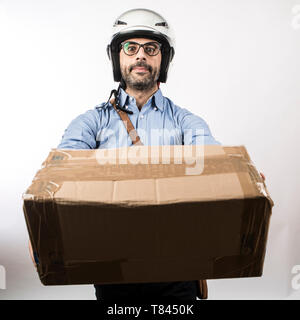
141,45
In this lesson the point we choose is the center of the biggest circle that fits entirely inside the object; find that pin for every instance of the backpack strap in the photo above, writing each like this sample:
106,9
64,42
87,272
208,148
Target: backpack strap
136,140
202,289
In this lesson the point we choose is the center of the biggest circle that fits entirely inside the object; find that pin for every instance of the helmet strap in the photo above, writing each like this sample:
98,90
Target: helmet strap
122,84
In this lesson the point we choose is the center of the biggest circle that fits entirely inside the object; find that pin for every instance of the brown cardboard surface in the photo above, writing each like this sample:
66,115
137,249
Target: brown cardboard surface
158,215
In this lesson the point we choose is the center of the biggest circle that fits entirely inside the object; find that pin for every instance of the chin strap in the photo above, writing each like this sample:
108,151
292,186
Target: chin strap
116,94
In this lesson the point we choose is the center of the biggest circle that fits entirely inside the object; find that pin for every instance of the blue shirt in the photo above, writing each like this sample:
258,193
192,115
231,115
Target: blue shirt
159,122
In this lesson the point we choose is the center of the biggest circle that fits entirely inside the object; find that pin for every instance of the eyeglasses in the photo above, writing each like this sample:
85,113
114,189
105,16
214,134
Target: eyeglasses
131,48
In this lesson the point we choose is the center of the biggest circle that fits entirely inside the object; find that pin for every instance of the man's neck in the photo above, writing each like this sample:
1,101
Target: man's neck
141,97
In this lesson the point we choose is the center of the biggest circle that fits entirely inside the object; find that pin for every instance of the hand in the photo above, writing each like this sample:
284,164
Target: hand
263,176
31,253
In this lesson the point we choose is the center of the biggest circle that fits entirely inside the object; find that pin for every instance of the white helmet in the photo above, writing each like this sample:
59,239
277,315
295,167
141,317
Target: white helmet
141,23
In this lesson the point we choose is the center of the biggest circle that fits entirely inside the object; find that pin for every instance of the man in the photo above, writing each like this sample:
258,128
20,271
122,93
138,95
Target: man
140,50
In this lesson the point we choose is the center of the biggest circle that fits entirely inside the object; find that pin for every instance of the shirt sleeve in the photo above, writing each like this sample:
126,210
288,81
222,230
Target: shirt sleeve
195,130
81,132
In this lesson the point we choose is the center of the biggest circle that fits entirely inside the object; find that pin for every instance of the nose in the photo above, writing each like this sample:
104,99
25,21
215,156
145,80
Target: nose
141,55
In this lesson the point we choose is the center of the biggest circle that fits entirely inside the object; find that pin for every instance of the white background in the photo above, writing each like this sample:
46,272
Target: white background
237,65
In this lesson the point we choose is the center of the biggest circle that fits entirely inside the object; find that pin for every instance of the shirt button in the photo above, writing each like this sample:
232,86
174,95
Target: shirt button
155,108
141,116
126,107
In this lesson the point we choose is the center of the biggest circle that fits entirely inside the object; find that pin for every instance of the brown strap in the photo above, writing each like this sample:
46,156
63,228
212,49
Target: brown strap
203,290
128,125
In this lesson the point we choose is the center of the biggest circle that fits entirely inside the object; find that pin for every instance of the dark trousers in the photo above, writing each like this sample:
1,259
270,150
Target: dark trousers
147,292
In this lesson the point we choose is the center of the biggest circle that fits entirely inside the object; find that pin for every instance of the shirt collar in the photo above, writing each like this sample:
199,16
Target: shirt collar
156,99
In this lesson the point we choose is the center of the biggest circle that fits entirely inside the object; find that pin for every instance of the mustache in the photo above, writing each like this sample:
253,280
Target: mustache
141,64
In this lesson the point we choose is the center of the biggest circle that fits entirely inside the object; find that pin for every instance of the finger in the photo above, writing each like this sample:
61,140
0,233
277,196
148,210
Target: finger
263,176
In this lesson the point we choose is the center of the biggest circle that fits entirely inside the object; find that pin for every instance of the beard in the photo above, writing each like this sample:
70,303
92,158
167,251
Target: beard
140,82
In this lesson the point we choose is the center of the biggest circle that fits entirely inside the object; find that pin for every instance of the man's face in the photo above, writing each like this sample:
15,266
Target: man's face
140,71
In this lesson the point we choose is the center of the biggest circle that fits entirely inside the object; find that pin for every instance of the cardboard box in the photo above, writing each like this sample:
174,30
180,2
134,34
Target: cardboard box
147,214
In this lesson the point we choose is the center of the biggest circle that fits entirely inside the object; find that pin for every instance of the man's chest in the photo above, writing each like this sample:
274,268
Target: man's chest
154,128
